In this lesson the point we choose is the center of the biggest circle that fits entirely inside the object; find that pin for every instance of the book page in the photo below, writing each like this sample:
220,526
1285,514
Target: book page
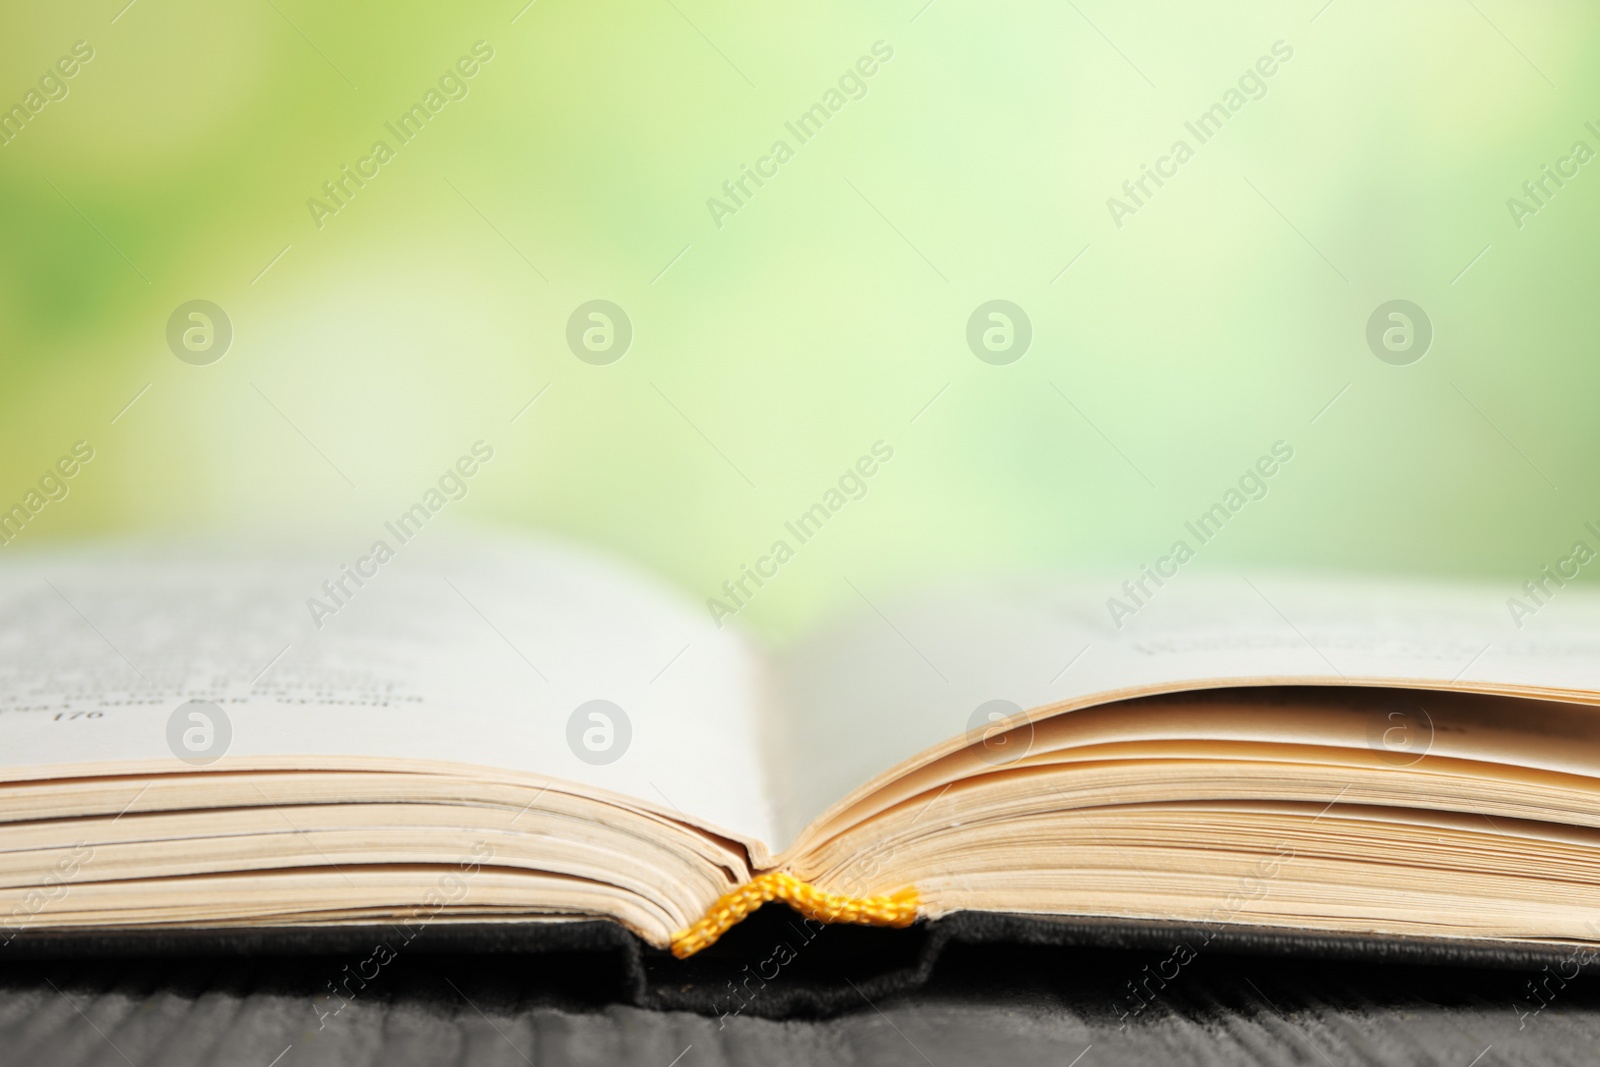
876,689
519,656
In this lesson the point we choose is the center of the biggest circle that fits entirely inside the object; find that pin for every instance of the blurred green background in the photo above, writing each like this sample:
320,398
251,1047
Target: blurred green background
825,314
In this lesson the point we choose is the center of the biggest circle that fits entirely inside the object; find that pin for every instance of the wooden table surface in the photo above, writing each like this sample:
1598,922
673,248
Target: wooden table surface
1005,1005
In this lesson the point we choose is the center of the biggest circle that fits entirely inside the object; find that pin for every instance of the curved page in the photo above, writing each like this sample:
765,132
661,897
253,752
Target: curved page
481,652
923,673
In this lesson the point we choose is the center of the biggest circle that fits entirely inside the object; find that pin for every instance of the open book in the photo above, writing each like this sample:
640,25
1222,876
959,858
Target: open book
493,731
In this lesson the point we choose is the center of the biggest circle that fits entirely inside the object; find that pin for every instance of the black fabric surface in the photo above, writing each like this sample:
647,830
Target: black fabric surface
776,964
986,995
